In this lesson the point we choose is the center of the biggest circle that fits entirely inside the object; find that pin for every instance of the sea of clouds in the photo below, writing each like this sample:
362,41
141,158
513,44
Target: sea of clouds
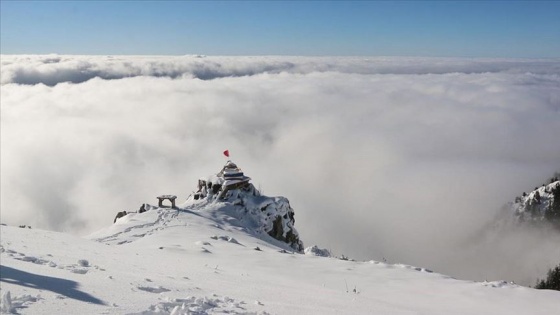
405,159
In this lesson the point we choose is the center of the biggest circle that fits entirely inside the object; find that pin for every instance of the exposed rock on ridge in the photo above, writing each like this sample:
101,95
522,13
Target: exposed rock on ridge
271,215
541,204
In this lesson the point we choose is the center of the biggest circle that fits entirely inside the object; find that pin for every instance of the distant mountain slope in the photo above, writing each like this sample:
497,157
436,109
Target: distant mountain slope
539,205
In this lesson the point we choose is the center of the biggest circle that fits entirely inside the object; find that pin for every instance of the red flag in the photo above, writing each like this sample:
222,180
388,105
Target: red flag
226,153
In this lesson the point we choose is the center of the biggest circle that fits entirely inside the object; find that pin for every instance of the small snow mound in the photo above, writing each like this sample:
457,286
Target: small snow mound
226,238
233,240
316,251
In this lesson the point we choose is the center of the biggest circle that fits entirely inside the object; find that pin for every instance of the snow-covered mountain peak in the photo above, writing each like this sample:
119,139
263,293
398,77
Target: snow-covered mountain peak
543,203
226,200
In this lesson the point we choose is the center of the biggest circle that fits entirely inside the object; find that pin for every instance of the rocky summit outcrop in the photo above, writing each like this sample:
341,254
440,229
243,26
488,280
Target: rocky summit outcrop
230,196
271,215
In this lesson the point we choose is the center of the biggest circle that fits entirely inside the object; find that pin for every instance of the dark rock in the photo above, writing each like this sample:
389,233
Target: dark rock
119,215
142,208
216,189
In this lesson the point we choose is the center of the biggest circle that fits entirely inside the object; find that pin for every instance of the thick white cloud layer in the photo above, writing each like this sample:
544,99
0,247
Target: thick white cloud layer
53,69
402,158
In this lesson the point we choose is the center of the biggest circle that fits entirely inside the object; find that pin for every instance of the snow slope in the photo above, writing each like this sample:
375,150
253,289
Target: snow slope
199,259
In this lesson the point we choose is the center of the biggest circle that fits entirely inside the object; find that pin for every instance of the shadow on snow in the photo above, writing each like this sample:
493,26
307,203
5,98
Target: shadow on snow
64,287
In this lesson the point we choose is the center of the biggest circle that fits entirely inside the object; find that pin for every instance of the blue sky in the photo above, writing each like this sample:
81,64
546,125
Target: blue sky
528,29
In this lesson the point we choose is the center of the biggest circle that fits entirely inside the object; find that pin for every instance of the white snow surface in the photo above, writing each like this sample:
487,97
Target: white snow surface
198,259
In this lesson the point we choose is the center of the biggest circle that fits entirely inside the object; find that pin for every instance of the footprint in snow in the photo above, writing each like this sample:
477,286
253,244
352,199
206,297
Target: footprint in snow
79,271
158,289
83,263
32,259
